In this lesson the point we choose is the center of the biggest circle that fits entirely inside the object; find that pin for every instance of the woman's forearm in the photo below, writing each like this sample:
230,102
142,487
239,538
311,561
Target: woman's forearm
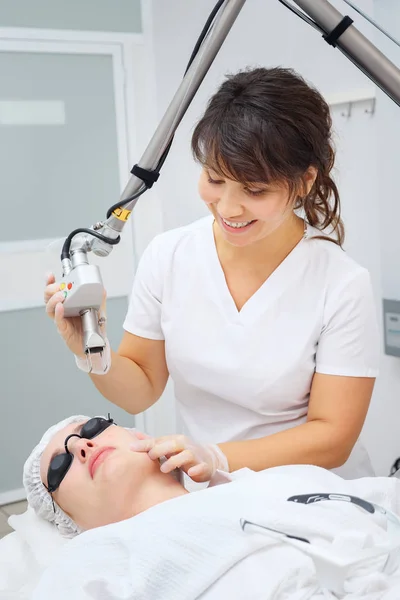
314,443
126,385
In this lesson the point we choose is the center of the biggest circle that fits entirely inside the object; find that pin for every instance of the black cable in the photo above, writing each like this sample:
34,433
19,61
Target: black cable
124,202
65,253
204,32
302,15
196,49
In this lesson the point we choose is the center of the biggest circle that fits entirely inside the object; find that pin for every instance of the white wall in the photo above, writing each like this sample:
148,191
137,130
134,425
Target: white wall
385,412
267,34
388,131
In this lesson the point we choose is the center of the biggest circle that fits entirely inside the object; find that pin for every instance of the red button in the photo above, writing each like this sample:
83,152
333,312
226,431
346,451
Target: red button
69,286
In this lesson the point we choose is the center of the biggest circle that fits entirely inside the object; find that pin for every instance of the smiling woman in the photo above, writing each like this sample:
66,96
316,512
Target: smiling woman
250,136
247,213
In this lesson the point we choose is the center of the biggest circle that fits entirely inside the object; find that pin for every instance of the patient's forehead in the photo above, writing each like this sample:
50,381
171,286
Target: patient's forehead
56,444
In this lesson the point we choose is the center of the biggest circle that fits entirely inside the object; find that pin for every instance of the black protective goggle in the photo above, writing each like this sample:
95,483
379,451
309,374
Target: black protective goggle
60,464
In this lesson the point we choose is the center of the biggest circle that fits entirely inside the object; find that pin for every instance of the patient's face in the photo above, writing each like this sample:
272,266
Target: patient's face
98,491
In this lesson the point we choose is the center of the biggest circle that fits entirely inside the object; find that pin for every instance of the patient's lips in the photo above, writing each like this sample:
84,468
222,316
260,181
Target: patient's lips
98,457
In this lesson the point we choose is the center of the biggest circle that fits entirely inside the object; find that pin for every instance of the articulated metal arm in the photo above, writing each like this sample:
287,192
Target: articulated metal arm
172,117
83,284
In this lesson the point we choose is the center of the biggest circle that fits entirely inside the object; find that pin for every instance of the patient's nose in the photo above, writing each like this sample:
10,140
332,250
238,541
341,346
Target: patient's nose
82,448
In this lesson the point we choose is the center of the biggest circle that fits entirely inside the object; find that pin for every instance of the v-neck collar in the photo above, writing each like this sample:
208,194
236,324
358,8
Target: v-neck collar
262,298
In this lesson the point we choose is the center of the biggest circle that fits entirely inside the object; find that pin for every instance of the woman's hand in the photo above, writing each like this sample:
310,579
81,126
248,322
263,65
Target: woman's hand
69,328
199,462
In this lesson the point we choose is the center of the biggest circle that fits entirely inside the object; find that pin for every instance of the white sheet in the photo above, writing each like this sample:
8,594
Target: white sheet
193,546
25,554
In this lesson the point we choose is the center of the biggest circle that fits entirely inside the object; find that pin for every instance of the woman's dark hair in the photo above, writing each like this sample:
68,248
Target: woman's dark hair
266,125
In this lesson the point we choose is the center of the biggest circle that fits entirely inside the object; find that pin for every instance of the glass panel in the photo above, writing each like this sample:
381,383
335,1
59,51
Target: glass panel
90,15
40,384
56,176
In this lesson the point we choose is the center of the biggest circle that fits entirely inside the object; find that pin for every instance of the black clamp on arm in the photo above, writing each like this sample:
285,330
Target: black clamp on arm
148,177
332,37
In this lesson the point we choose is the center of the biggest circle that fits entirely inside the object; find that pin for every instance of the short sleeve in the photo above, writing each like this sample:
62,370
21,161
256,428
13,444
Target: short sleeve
349,344
144,313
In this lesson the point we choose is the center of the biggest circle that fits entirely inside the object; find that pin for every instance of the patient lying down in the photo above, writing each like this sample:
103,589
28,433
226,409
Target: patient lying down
92,476
142,535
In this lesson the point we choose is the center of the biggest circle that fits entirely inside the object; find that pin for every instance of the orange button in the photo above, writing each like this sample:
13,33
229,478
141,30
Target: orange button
69,286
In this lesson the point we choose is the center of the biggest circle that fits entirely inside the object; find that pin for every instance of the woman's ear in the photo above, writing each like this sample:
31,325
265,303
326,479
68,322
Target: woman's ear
309,178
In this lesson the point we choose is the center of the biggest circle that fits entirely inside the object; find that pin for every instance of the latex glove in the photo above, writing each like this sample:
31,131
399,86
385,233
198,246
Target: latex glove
198,461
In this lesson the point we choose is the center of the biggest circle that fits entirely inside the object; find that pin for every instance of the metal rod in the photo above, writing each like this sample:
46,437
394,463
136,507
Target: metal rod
185,93
208,50
356,47
372,22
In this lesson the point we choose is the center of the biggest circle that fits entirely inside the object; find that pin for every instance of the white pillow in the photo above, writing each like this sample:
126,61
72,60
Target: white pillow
26,553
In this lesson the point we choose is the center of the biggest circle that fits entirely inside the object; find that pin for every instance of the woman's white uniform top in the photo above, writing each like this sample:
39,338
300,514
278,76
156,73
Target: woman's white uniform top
247,374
